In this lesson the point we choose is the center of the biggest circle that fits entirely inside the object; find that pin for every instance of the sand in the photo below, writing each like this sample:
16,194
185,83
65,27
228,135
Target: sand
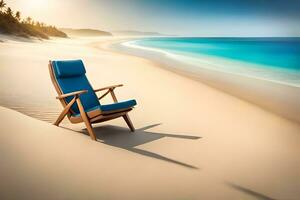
192,141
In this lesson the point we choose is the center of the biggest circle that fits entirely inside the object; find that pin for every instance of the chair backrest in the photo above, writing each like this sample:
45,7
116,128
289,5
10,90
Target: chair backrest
69,76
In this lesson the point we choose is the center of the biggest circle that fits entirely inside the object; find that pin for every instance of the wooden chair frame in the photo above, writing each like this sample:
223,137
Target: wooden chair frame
91,117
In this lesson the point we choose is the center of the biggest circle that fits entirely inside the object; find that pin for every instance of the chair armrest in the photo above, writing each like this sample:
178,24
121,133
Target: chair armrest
71,94
108,87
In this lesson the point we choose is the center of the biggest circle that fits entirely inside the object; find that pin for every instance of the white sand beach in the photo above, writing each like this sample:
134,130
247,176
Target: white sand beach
192,141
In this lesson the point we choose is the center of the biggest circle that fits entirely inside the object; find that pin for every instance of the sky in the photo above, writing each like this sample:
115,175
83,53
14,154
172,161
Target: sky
177,17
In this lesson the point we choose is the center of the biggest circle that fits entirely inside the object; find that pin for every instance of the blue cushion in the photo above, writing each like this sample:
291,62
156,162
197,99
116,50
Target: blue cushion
118,106
69,68
73,83
111,107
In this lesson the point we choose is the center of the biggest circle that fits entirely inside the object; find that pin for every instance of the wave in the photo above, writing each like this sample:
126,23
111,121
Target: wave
225,65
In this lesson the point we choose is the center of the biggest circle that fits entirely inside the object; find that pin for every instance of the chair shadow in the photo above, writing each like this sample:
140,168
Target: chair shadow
250,192
122,138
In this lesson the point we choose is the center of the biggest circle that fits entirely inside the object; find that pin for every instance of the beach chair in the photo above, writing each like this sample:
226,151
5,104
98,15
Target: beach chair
79,99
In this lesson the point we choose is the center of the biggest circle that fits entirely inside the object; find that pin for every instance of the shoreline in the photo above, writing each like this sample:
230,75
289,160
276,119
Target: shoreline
212,63
279,98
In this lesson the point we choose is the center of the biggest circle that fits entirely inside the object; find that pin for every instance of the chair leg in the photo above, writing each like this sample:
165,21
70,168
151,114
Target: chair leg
64,112
125,117
128,122
86,120
60,118
90,129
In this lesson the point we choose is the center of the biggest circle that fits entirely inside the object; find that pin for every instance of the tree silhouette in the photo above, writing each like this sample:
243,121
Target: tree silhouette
2,5
11,23
28,20
18,15
9,12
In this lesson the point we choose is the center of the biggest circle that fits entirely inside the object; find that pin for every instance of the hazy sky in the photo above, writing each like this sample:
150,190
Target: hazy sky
180,17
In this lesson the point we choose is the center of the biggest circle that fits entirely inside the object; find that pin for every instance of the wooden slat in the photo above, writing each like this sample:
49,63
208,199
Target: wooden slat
113,95
102,118
86,120
108,87
62,96
104,94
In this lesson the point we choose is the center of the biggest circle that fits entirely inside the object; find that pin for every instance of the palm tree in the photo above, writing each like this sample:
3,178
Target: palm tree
2,5
9,12
18,15
28,20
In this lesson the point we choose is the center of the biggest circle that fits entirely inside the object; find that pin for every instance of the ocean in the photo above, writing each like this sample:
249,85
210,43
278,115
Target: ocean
274,59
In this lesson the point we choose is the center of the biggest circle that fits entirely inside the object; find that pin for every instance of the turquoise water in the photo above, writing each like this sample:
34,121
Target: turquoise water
276,59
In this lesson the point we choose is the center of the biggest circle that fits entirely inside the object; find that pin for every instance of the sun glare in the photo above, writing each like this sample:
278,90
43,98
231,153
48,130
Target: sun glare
34,5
